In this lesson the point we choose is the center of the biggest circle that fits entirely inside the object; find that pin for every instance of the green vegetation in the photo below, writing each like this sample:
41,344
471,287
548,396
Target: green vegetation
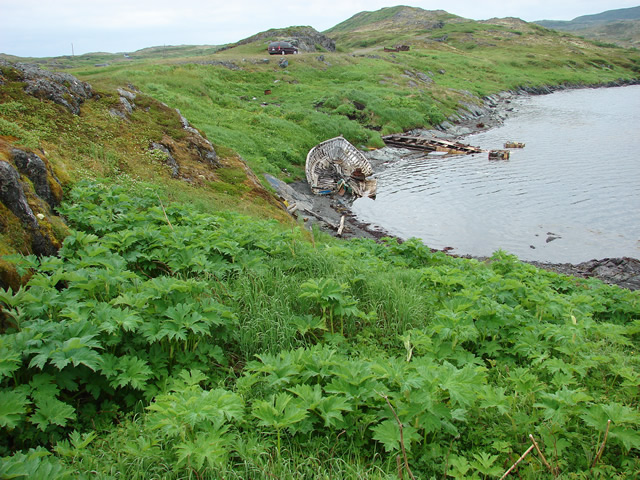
361,92
187,330
244,349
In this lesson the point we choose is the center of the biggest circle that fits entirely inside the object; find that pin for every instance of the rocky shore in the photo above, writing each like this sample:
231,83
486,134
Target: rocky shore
624,272
327,212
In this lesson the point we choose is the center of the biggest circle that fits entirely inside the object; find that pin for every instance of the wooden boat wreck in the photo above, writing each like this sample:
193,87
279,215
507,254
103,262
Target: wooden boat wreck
429,144
499,154
336,166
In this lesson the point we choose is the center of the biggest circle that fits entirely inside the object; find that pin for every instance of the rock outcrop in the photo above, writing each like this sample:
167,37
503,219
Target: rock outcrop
306,39
13,197
167,158
60,88
41,177
198,145
126,104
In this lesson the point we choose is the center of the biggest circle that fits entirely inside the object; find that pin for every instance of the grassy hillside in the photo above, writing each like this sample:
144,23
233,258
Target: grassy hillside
399,17
360,91
108,142
188,329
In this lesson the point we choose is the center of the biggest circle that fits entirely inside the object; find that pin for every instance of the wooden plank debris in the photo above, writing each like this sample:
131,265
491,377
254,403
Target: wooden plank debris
341,227
499,154
429,144
398,48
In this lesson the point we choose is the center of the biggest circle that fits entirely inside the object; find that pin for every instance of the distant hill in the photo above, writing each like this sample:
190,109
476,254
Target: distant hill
400,16
400,24
621,26
632,13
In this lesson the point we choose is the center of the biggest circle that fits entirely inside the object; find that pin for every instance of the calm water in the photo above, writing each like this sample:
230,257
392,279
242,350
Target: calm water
572,194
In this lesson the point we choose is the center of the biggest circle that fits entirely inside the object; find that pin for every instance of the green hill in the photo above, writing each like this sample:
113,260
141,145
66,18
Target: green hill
390,25
396,17
621,26
632,13
162,315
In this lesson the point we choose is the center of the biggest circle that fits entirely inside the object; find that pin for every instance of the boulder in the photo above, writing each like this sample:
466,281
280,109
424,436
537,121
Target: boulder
36,170
13,197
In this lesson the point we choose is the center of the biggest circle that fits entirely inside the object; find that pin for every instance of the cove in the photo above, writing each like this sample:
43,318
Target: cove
571,195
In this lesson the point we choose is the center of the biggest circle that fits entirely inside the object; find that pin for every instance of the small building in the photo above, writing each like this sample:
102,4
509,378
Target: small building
398,48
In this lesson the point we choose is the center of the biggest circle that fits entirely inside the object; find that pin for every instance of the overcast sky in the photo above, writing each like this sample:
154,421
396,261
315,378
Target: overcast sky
42,28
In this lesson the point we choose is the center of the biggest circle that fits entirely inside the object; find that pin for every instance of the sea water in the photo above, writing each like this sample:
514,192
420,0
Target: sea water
572,194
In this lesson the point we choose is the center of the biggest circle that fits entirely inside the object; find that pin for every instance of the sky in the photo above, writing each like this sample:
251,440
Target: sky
47,28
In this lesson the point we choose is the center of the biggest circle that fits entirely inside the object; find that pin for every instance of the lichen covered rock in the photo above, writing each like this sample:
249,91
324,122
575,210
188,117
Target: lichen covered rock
61,88
13,196
36,170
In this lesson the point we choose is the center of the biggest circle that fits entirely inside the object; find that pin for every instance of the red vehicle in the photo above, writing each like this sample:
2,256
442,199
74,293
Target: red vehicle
281,48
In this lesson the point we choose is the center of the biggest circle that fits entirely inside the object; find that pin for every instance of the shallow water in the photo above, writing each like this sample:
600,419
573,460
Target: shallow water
572,194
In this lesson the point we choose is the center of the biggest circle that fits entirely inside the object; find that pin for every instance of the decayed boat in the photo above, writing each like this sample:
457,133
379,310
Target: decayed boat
428,144
337,166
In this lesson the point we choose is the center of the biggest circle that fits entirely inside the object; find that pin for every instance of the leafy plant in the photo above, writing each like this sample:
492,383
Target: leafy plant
279,412
132,354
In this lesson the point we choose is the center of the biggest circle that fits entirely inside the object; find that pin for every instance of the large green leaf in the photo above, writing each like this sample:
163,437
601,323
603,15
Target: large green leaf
13,407
388,433
10,358
51,411
36,464
280,412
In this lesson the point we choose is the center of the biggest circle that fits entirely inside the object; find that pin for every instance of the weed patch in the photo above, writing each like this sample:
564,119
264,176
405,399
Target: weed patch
245,349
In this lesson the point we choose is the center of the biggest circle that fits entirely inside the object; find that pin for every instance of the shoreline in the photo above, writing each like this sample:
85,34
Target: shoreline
326,211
